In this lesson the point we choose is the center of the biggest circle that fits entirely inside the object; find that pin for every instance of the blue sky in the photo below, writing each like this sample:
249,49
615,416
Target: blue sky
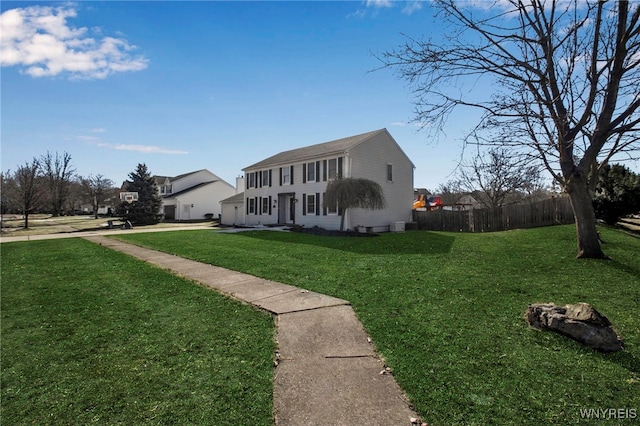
183,86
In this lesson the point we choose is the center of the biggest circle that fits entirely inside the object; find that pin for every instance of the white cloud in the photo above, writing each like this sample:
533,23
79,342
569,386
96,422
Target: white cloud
412,6
379,3
146,149
39,40
408,7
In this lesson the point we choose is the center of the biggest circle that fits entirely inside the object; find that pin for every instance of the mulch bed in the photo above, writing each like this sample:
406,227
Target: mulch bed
316,230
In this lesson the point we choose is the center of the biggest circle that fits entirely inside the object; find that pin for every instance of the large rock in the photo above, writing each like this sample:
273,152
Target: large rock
579,321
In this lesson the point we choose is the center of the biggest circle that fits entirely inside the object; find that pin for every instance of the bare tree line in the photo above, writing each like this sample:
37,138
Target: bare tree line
49,184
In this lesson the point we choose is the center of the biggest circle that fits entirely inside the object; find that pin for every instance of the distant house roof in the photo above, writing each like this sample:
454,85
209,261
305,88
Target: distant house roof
238,198
159,178
174,194
322,149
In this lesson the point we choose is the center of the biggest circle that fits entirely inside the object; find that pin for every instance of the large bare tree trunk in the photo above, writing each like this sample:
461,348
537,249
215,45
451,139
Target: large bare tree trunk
588,239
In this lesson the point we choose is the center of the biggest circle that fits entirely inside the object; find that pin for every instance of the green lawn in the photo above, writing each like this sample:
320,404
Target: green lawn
446,312
90,335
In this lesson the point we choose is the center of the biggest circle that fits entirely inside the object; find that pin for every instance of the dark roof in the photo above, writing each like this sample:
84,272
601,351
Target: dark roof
322,149
238,198
159,178
188,189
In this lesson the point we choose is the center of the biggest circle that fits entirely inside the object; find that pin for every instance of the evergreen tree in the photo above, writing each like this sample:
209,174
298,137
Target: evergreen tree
617,193
146,210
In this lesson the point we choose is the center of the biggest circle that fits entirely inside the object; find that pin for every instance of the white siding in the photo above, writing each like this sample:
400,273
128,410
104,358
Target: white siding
195,204
233,214
366,160
369,160
300,189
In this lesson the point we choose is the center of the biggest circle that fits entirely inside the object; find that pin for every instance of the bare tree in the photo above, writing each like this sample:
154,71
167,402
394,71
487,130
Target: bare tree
76,195
96,187
58,172
498,178
28,191
450,192
567,79
6,184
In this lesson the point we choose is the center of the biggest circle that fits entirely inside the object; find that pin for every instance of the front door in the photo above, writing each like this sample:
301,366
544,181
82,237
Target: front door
286,208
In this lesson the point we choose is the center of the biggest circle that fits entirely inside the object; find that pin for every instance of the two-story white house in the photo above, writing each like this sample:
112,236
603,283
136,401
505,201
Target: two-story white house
289,187
193,195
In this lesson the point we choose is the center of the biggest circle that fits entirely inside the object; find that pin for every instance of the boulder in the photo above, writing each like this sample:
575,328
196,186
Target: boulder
579,321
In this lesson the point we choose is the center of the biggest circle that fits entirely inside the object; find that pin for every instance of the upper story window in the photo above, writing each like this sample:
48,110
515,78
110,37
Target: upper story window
390,172
311,172
332,166
165,189
286,175
265,178
251,180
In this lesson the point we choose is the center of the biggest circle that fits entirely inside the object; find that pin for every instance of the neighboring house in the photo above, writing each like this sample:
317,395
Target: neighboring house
289,187
192,196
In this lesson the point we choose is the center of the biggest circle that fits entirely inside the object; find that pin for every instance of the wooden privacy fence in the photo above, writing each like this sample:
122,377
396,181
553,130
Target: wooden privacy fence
554,211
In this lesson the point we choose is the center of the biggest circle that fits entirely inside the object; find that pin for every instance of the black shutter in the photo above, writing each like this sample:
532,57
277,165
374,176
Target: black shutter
304,204
318,202
317,171
304,172
340,167
324,170
280,176
291,175
246,201
255,209
246,180
270,176
269,205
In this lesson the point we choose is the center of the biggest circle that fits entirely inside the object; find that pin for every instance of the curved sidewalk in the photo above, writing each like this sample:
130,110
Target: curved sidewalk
327,372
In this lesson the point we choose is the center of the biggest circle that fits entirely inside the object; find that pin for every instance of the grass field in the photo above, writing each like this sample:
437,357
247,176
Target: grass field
92,336
446,312
45,224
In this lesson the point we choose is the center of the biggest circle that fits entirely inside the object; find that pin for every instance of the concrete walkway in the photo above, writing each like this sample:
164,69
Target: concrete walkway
8,238
327,372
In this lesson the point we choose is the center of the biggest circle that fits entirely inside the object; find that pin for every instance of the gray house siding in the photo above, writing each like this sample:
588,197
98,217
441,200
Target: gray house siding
372,160
289,187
